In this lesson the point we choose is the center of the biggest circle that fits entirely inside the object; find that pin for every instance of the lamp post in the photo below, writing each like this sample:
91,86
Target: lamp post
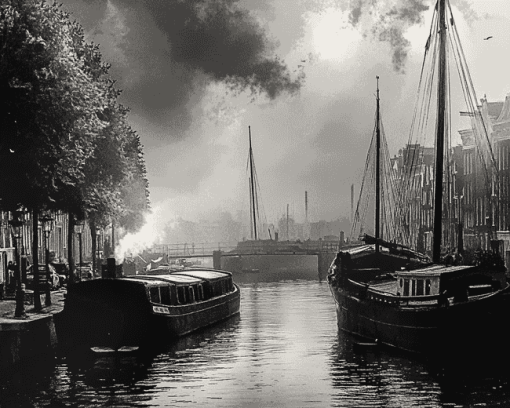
47,224
16,224
78,229
98,260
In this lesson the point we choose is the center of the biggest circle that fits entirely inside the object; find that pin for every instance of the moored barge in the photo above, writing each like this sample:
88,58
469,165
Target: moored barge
427,310
145,309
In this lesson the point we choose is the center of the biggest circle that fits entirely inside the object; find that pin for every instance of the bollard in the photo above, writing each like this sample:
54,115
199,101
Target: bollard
110,268
217,259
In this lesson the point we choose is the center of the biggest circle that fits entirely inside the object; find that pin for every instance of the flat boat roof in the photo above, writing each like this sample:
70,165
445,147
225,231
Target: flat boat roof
165,279
202,274
436,270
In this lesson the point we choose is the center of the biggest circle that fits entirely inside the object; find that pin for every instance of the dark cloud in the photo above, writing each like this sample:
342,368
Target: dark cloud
388,23
165,52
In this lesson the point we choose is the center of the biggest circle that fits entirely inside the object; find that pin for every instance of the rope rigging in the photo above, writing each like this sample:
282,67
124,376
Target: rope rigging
414,173
407,193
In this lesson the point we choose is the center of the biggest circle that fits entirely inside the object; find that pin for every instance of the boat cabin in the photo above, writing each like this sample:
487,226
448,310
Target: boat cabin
180,287
458,281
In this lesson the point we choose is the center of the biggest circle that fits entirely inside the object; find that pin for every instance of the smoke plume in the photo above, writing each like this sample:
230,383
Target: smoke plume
165,53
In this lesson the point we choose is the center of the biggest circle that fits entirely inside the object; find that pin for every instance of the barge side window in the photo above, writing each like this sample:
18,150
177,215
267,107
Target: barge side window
419,287
406,287
181,294
154,291
200,292
164,292
173,295
191,294
427,287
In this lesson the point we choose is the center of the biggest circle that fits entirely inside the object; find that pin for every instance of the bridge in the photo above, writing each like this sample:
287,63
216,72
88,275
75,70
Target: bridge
249,254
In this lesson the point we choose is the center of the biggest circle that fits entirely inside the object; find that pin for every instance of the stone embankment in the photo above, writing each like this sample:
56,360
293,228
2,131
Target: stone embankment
33,335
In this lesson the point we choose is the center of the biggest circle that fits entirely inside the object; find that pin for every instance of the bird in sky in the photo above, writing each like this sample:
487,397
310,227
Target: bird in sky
488,38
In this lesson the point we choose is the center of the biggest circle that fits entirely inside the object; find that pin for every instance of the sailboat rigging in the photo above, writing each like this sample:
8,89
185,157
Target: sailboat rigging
377,173
253,201
379,188
256,223
426,308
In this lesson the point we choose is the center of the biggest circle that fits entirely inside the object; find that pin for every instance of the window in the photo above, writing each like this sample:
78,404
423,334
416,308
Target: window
191,294
181,294
413,287
427,287
406,287
164,293
419,287
154,291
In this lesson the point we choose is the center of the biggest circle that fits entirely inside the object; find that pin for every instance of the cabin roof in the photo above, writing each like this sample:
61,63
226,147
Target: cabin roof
207,274
164,279
363,249
435,270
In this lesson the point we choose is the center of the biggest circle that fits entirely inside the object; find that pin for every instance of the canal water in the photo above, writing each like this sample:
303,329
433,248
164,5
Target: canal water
284,350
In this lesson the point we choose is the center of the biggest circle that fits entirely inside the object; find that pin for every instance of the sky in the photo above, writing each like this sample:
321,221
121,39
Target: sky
188,88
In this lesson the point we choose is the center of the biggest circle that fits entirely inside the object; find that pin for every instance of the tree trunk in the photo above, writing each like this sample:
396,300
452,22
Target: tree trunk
93,237
70,247
35,258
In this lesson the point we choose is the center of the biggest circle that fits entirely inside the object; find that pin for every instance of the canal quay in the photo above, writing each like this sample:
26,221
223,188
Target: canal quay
283,350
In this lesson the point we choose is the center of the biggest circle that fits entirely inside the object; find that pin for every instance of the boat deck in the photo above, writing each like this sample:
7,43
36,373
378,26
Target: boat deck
387,287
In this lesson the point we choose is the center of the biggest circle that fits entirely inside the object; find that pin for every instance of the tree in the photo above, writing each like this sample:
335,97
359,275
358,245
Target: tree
49,109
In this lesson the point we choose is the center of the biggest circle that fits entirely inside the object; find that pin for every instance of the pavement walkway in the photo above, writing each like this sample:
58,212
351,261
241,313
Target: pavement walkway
8,306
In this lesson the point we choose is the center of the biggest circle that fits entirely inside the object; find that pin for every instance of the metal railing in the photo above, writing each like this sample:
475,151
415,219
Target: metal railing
204,249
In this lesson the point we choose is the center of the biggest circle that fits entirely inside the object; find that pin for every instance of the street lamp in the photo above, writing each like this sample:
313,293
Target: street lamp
98,260
78,229
47,224
17,224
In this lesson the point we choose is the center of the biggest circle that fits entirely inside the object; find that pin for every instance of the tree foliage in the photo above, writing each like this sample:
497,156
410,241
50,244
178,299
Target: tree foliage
66,142
48,112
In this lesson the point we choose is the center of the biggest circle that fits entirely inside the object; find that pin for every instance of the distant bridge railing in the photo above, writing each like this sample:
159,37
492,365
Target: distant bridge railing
205,249
193,249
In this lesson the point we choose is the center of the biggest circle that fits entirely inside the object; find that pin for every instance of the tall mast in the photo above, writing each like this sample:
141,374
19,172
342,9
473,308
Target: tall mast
377,174
252,185
441,110
251,206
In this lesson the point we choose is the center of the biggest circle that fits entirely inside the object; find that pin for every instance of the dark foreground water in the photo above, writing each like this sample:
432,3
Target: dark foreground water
284,350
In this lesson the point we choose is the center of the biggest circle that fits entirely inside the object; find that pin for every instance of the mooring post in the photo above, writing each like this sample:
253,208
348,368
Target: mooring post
217,259
110,268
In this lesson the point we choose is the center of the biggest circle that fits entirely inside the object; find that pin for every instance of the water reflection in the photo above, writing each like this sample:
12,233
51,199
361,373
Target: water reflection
283,350
380,377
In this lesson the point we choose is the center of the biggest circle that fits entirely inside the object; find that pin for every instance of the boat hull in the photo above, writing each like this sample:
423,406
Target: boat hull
140,324
432,329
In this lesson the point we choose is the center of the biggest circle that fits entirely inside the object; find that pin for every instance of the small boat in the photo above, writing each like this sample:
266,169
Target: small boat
141,310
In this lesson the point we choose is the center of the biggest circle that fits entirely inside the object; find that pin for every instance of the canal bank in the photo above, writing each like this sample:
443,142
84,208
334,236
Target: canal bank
26,337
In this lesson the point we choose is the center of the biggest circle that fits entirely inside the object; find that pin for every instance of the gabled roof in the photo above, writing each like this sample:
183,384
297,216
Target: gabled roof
504,115
494,110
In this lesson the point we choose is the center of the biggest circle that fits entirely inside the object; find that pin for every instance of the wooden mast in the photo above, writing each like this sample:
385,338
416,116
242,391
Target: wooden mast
441,110
377,174
252,185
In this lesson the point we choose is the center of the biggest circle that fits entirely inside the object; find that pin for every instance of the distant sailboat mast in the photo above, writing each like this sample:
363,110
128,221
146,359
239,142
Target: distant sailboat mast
377,175
252,191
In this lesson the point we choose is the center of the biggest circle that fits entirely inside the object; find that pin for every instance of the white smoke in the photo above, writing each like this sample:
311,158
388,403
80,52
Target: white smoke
151,233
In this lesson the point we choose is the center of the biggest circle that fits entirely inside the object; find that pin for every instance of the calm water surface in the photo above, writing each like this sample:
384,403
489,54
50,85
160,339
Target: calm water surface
284,350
